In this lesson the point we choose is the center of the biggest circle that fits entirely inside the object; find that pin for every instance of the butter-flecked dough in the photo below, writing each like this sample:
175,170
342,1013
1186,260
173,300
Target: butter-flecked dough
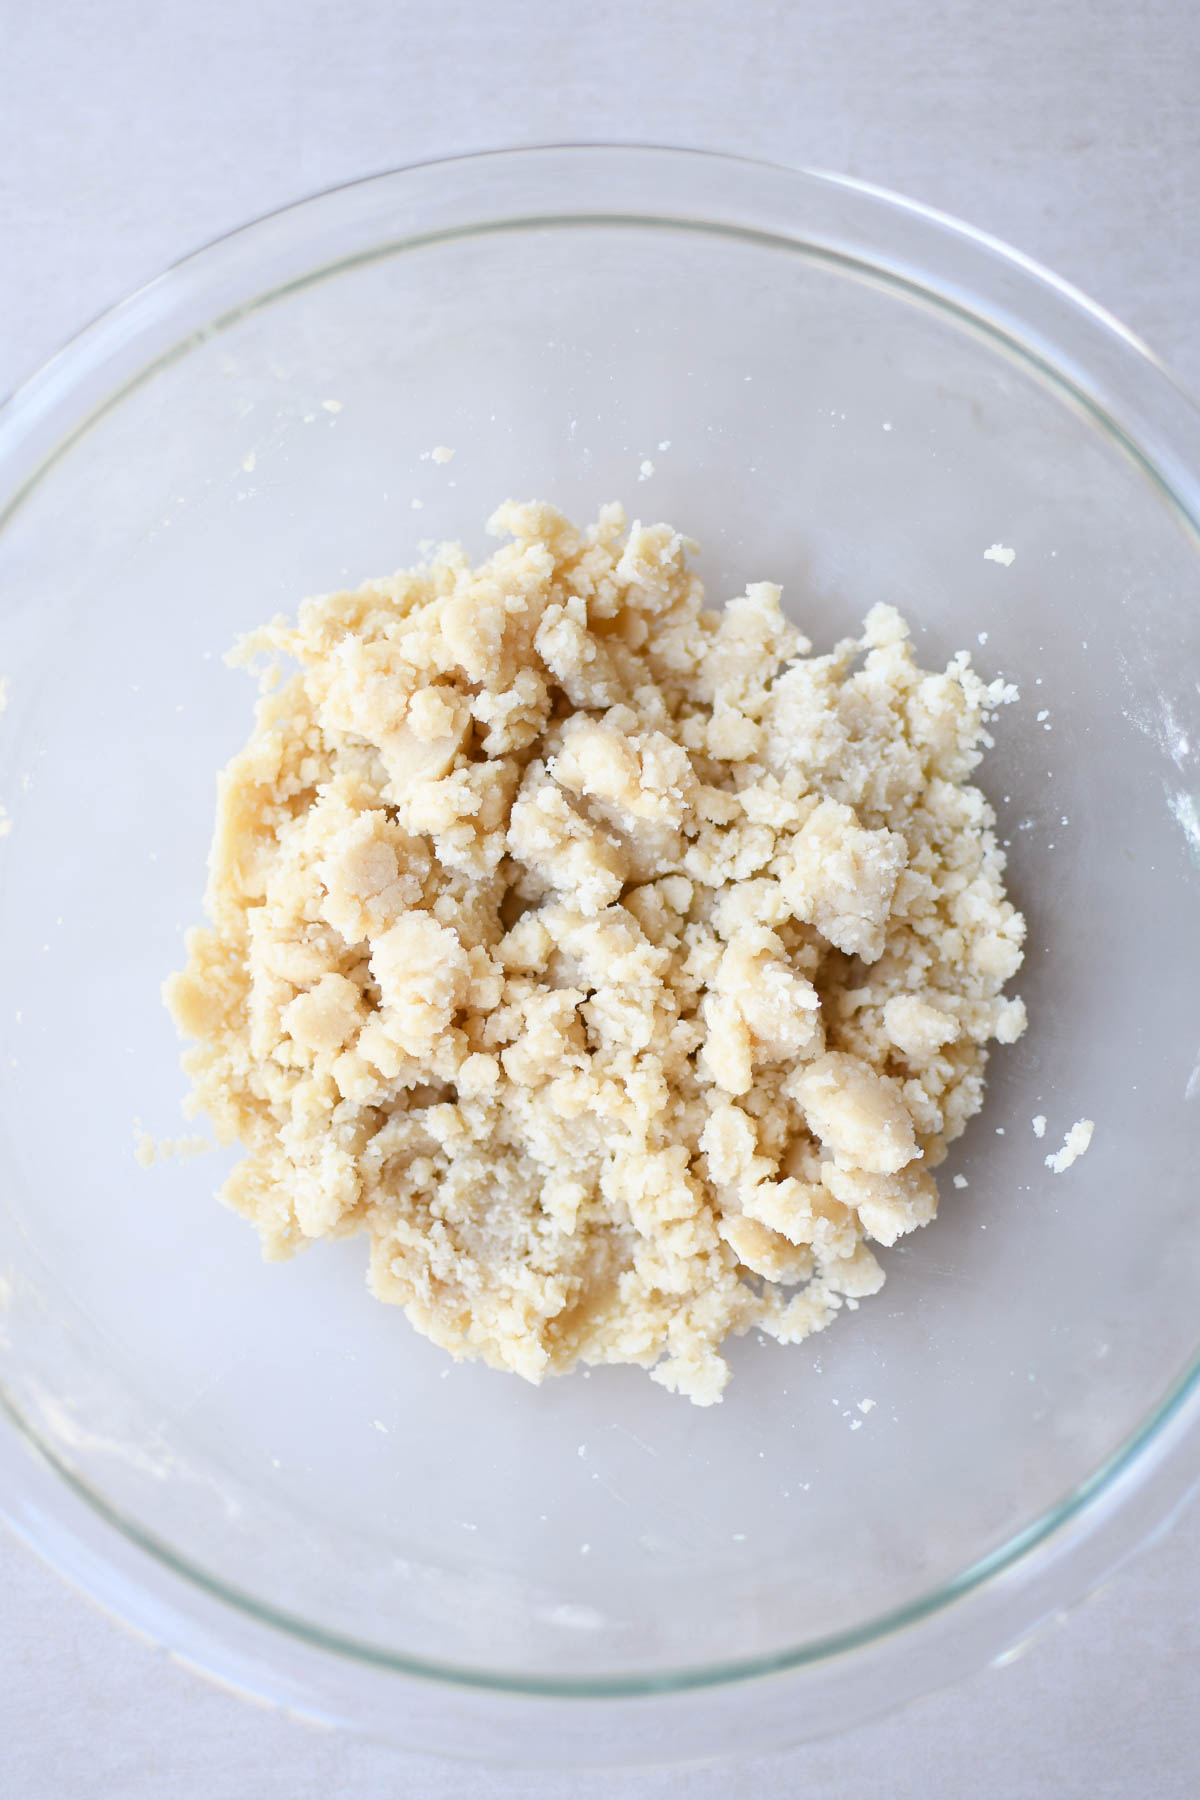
618,965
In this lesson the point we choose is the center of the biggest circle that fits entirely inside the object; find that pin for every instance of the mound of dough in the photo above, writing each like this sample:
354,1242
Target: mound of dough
618,965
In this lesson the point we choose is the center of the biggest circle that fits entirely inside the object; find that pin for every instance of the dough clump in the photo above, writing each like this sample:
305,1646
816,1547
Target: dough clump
621,967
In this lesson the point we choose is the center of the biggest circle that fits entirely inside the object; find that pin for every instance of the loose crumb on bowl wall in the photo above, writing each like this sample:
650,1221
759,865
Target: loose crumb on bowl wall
1078,1140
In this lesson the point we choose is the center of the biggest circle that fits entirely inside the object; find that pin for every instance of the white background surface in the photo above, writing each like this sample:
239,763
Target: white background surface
134,130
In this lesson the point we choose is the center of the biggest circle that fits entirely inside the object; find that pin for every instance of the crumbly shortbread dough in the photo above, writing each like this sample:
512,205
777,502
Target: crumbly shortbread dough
618,965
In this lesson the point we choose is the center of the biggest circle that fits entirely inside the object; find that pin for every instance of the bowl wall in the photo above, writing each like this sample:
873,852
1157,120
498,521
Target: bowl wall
810,417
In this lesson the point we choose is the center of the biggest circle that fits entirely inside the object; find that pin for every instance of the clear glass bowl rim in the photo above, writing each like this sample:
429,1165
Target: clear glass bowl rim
1098,365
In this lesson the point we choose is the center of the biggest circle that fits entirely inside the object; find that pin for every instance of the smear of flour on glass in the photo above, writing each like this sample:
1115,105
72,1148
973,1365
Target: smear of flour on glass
1187,815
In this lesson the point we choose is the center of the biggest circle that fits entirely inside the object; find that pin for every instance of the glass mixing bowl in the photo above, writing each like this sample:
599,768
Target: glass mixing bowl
276,1477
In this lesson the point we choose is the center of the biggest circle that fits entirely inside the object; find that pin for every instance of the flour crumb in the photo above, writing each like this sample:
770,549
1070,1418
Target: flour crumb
665,444
380,1426
148,1150
6,823
646,469
999,553
1039,1125
960,1181
332,406
866,1406
1077,1141
416,504
3,692
441,453
248,463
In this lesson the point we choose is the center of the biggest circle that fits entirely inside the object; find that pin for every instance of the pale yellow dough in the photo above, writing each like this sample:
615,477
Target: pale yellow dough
619,966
